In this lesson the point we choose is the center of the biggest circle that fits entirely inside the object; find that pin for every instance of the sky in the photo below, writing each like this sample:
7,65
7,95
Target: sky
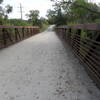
41,5
95,1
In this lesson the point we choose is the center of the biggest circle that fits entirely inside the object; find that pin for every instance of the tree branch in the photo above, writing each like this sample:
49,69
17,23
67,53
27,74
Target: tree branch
81,6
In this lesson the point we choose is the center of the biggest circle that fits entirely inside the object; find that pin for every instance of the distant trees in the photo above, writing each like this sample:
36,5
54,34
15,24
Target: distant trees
73,11
19,22
33,17
4,12
83,12
8,9
51,14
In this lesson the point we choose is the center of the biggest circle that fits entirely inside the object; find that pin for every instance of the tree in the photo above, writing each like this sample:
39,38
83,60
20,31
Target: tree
1,1
33,17
51,15
19,22
77,11
76,3
4,11
82,14
33,14
43,20
8,9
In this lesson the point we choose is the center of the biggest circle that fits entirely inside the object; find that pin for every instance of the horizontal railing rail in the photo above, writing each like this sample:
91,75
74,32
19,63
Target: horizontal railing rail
3,26
95,26
12,34
87,48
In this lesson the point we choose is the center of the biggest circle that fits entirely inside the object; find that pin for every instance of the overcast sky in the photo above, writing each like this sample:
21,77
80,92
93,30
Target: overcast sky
41,5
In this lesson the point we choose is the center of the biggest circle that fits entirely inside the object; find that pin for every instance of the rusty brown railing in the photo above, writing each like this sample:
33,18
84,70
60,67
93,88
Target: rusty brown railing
12,34
87,48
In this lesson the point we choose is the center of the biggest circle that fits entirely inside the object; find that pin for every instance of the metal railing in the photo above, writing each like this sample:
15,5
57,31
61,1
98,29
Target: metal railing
12,34
86,48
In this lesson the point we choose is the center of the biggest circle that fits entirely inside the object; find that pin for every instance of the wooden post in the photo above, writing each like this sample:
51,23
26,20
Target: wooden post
17,34
69,35
23,32
4,37
79,34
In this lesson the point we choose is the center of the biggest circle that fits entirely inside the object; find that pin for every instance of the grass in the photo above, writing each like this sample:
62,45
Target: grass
44,27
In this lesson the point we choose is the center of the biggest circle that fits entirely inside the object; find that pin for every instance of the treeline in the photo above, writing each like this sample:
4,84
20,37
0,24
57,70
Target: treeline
33,18
68,12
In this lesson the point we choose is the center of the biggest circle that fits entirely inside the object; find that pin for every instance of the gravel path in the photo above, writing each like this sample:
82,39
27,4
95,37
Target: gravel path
40,68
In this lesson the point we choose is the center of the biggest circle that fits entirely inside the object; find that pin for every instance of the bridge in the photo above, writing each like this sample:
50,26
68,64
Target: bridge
42,67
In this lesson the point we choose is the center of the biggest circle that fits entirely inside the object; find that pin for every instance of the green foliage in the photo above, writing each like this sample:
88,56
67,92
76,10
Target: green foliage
1,21
72,23
44,27
33,17
33,14
97,20
56,17
83,15
74,12
83,34
19,22
15,22
51,14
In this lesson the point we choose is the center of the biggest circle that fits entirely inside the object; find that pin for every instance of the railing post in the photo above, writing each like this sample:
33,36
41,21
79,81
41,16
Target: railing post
64,33
4,37
31,31
23,32
27,31
17,34
69,35
77,35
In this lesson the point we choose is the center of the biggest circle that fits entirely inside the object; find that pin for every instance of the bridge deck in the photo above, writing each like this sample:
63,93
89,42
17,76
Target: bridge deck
40,68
